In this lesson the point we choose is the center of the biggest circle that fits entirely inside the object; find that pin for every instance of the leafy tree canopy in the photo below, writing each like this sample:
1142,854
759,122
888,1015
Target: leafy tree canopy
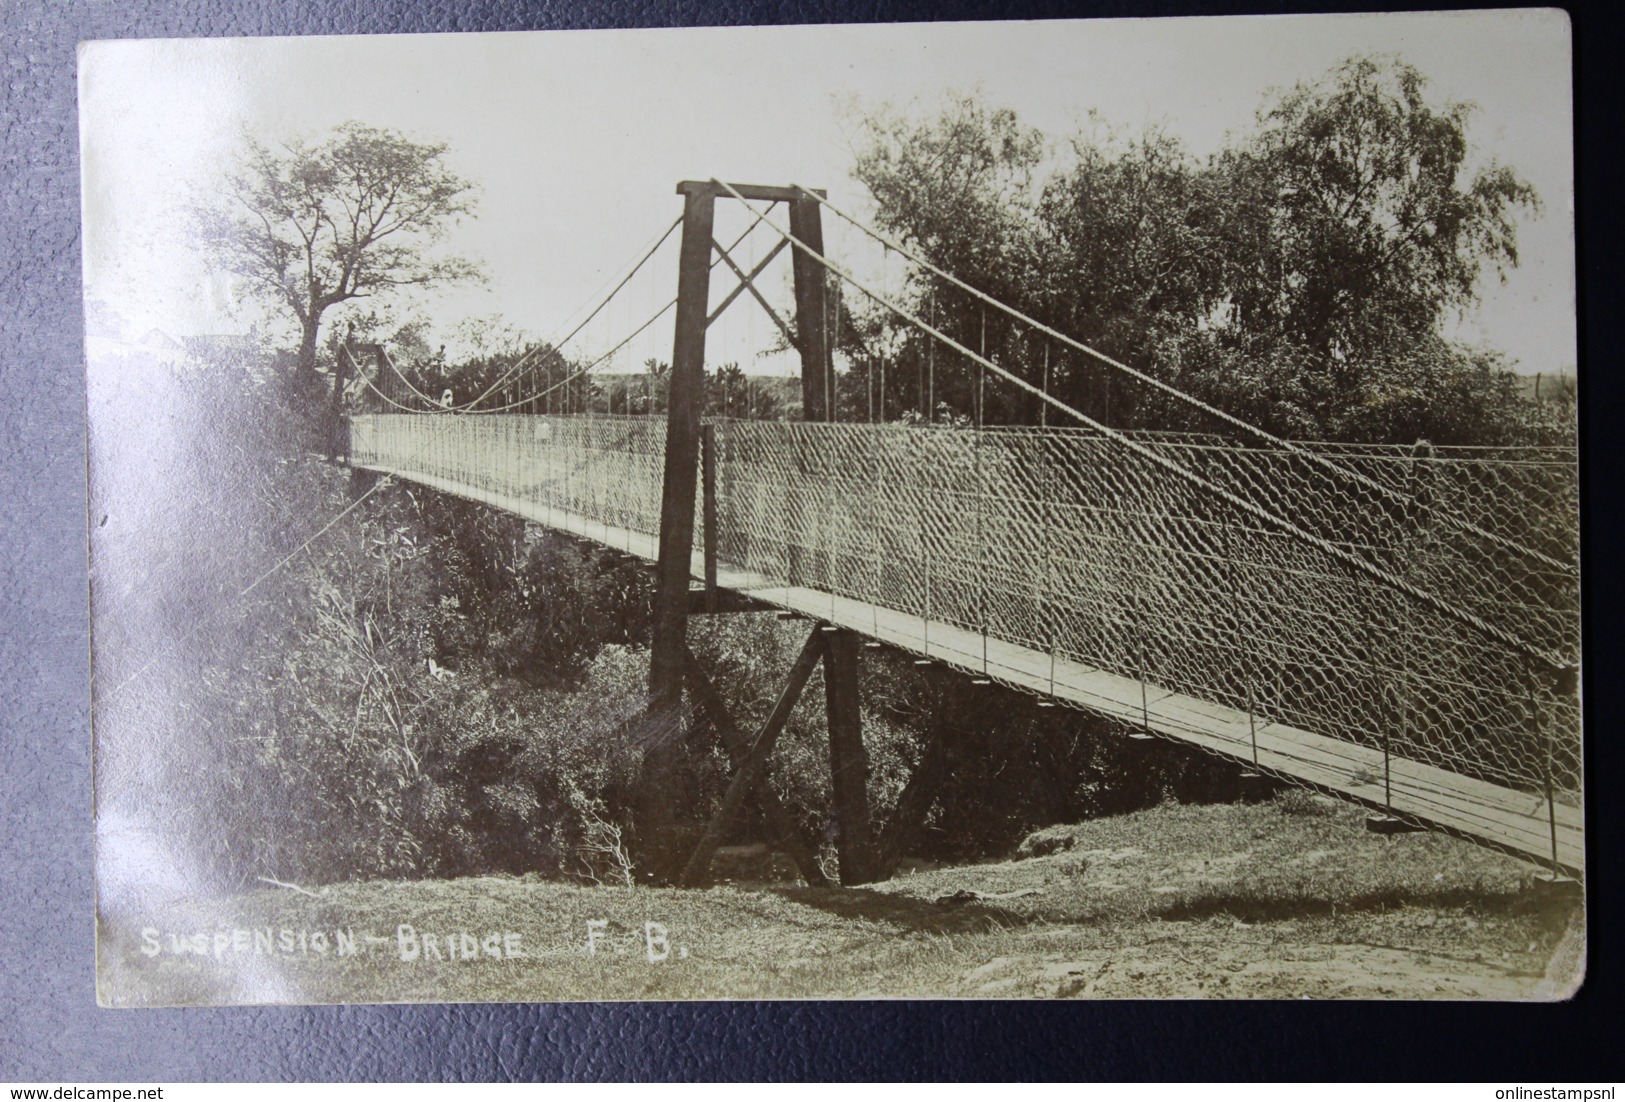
959,186
308,227
1368,228
1300,278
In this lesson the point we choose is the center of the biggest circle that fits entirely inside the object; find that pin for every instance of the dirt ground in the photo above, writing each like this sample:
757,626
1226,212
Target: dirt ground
1291,899
1197,960
1283,900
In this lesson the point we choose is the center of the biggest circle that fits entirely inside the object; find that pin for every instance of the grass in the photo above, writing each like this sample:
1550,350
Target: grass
1290,898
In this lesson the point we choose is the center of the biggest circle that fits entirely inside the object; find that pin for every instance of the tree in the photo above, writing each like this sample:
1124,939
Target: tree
729,392
1299,279
311,227
1135,254
1360,229
960,188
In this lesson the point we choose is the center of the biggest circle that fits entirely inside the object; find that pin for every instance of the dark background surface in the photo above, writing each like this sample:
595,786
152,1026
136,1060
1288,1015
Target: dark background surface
52,1030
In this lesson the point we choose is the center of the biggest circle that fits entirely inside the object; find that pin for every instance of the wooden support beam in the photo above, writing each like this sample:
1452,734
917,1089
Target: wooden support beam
913,805
708,505
817,362
746,284
703,602
658,852
387,382
787,836
806,226
684,404
756,193
342,370
750,770
848,761
362,481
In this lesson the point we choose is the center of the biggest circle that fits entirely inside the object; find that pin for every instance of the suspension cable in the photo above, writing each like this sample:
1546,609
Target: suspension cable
545,347
1325,546
403,408
578,373
625,341
552,346
390,360
1180,395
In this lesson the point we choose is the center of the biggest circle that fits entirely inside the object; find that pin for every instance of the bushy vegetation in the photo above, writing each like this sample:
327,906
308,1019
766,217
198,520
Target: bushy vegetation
426,688
1300,278
433,688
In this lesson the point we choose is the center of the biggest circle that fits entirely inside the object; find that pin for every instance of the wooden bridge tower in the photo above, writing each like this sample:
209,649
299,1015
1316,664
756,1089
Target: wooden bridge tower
672,664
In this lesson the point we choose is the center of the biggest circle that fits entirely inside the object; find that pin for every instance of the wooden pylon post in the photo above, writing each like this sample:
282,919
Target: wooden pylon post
806,226
754,761
848,760
660,850
785,830
659,841
340,424
685,403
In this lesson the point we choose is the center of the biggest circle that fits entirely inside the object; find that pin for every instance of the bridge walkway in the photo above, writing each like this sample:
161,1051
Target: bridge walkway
1506,818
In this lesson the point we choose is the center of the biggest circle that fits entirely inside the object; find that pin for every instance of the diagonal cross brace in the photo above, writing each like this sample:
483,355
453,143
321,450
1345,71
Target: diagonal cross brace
737,745
746,283
754,762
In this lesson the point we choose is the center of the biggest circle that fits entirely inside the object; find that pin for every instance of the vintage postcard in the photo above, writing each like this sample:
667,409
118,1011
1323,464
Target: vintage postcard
1024,510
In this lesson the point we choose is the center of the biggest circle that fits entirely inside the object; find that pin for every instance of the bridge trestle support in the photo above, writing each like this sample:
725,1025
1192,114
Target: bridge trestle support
691,458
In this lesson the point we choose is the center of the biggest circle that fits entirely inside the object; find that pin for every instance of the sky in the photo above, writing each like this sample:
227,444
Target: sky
578,138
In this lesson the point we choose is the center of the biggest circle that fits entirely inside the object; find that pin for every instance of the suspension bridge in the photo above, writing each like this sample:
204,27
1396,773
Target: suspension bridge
1396,626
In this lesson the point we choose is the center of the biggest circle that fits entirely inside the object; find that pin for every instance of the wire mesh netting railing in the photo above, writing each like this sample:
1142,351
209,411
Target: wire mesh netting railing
574,471
1067,545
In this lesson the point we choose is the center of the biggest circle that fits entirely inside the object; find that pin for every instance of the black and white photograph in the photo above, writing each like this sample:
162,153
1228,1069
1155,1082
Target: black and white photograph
1077,509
